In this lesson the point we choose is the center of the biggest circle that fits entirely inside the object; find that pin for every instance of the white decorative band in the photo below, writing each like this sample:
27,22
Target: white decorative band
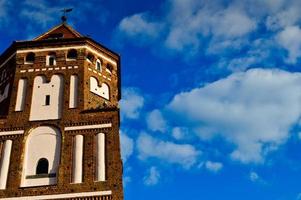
11,132
62,196
74,128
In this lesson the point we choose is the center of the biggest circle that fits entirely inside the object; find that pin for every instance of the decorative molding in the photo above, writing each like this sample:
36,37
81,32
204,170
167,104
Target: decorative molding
63,196
18,132
96,126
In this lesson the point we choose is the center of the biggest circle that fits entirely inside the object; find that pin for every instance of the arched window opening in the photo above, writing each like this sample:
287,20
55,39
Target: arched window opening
98,65
29,59
51,59
42,167
72,54
90,57
109,68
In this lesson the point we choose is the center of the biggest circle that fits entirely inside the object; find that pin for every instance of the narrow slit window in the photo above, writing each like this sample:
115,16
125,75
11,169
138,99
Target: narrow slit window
47,100
98,65
51,61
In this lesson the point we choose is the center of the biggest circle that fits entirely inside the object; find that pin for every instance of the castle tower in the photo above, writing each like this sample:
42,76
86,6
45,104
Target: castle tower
59,119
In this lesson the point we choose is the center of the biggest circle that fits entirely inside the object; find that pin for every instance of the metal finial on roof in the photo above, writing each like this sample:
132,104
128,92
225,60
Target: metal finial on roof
65,11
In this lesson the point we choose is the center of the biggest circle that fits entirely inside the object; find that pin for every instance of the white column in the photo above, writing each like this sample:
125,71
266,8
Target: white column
78,159
73,91
101,159
21,95
5,160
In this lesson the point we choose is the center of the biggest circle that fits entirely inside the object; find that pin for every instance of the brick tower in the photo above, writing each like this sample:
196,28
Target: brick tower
59,119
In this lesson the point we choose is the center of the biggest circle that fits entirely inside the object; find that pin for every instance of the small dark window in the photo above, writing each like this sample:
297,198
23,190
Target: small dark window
42,167
47,100
98,65
110,68
90,57
30,58
51,60
72,54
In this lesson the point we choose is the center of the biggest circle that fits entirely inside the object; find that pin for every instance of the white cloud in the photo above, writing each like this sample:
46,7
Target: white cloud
155,121
183,154
213,166
290,39
179,133
254,176
127,146
40,12
153,177
131,103
253,110
139,26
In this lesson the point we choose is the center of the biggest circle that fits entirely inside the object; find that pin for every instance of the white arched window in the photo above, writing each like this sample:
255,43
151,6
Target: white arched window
51,59
42,157
98,65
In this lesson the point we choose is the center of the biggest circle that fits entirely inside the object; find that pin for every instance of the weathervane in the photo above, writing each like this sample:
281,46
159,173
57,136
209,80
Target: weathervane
65,11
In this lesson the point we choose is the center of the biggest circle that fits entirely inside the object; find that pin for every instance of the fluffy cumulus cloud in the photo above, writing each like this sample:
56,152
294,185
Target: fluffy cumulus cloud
290,39
216,27
139,25
153,177
131,103
213,166
127,146
182,154
253,110
156,122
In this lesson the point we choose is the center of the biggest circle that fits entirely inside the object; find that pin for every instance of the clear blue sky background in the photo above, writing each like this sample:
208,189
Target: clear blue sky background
211,91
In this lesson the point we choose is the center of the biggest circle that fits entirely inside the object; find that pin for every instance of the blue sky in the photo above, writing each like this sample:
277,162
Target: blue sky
211,91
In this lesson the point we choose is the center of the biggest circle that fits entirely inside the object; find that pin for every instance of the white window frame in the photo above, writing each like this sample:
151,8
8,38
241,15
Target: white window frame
100,64
48,60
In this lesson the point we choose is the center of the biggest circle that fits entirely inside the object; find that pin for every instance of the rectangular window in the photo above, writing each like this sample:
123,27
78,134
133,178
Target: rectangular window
47,100
51,61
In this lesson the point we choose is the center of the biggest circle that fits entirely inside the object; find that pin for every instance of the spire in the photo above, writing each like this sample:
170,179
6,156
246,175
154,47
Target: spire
65,11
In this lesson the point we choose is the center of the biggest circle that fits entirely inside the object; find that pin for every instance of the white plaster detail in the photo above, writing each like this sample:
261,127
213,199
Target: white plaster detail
57,68
37,70
4,94
102,91
30,70
50,69
44,69
77,175
70,67
42,142
5,161
100,165
89,69
11,132
63,67
21,95
95,126
22,71
75,67
67,48
62,196
73,91
39,110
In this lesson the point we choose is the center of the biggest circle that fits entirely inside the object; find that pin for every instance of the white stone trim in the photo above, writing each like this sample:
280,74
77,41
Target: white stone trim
11,132
62,196
74,128
66,48
5,161
7,60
